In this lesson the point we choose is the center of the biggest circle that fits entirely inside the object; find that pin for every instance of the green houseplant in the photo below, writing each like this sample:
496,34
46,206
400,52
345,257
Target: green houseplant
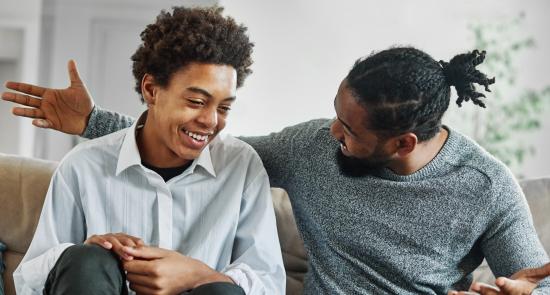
514,112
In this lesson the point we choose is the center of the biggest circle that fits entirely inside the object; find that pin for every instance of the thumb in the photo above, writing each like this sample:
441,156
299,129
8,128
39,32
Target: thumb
145,252
509,286
42,123
73,73
505,284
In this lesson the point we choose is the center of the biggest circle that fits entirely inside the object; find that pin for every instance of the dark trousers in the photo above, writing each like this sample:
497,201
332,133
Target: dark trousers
90,269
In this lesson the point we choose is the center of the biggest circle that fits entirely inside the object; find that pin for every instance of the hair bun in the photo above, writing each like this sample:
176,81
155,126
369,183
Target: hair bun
461,73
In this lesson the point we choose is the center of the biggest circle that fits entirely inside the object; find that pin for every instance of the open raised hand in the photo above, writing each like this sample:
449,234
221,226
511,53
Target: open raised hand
66,110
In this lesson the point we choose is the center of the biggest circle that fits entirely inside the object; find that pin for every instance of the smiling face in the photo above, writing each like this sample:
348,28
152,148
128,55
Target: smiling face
185,115
361,148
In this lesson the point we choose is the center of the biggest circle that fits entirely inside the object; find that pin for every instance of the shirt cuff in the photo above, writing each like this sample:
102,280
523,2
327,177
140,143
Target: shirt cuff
35,271
90,130
243,276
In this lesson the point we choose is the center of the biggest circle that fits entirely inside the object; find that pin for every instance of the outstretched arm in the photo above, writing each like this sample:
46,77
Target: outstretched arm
522,282
511,246
70,110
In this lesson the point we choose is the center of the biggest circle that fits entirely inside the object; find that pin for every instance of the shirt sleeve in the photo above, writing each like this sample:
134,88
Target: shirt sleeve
511,242
257,264
61,225
103,122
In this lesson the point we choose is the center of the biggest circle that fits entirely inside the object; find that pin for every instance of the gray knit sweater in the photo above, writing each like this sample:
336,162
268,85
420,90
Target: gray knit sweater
390,234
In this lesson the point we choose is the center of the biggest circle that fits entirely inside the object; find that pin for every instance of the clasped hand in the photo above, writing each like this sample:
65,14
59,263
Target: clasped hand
153,270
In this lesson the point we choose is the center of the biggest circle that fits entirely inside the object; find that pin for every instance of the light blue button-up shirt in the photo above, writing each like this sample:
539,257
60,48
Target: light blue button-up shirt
218,211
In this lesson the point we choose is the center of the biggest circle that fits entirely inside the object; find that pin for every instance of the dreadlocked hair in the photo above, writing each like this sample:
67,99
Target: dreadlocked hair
188,35
461,72
405,90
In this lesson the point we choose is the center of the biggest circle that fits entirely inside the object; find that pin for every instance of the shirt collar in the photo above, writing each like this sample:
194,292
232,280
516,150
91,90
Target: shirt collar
129,152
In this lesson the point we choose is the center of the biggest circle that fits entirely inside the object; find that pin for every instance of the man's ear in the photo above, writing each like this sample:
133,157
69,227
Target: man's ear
406,143
148,89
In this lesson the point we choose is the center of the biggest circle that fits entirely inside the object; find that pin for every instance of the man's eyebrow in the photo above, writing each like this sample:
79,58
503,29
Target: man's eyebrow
200,91
207,94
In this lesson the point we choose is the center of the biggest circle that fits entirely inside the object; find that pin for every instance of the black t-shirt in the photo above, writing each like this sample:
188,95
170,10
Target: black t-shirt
168,173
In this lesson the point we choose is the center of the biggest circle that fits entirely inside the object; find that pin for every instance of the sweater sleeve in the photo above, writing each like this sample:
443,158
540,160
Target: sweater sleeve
511,242
275,151
103,122
281,152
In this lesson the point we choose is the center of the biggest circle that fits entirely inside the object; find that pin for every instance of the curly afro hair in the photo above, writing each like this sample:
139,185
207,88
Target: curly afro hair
189,35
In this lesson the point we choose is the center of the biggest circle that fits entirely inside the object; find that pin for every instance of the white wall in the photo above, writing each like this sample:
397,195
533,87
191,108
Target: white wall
305,48
19,47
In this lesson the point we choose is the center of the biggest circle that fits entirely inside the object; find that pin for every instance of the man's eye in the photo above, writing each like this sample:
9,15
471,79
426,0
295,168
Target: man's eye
196,101
224,109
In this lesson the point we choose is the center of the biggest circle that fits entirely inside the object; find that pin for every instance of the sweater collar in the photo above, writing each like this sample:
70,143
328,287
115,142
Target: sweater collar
437,166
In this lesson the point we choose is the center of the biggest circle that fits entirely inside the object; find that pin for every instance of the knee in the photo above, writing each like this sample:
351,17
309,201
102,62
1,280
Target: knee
89,258
86,269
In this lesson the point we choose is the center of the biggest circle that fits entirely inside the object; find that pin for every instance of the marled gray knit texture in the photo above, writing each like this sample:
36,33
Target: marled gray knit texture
389,234
103,122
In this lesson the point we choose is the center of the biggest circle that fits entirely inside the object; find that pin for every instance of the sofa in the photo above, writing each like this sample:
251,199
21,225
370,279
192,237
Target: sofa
24,182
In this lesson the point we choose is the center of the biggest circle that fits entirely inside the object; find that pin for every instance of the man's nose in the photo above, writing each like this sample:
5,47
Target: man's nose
208,118
336,130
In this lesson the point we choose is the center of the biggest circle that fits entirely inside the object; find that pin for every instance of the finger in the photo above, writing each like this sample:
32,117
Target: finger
142,290
478,286
145,252
503,283
518,286
74,77
23,99
42,123
488,290
117,247
100,241
453,292
28,112
136,266
130,241
537,273
126,241
137,242
26,88
142,280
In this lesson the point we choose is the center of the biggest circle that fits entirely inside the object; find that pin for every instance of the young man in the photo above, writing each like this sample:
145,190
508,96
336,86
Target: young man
388,200
183,208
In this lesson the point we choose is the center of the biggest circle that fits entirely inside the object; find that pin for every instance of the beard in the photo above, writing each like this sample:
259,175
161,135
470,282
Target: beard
357,167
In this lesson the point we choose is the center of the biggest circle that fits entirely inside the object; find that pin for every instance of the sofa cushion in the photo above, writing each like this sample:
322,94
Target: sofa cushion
292,246
24,185
537,192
